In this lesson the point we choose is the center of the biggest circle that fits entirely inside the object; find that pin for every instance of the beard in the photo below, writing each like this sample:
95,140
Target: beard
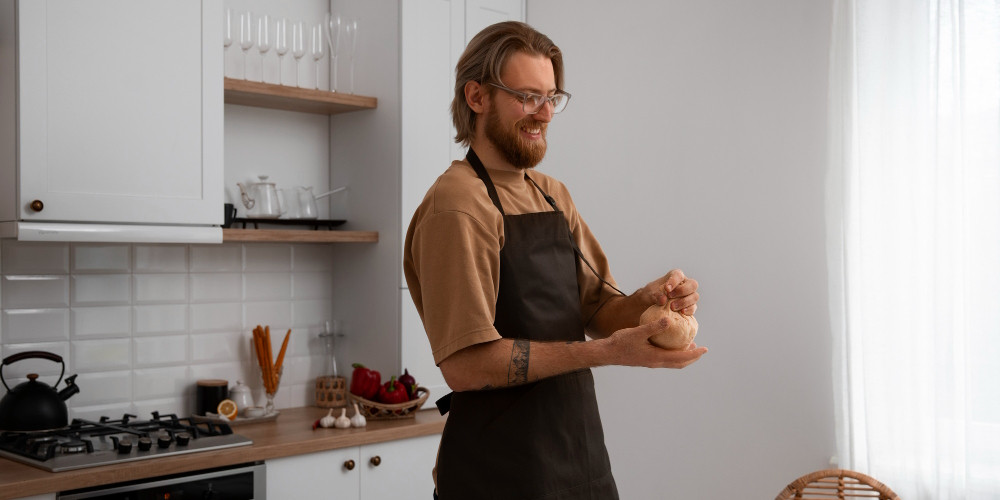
508,141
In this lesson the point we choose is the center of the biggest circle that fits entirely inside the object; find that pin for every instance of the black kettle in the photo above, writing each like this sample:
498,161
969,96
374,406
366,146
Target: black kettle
33,405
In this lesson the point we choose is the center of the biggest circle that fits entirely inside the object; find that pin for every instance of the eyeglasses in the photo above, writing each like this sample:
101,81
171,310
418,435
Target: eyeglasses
532,103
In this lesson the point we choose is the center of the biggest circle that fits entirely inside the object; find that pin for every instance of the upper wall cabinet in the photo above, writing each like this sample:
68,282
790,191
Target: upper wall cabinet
119,111
434,33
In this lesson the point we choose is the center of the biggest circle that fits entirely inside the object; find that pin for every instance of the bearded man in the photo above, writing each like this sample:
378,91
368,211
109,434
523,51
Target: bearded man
510,282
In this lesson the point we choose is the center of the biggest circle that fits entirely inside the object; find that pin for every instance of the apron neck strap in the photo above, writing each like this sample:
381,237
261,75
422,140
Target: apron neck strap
477,165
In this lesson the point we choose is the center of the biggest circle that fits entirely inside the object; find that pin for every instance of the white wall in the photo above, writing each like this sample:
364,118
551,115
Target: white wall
705,121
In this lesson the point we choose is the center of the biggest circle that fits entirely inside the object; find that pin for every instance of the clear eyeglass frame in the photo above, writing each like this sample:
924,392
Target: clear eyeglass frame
532,103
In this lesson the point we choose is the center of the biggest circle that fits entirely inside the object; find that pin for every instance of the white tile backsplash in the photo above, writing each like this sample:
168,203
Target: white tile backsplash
101,289
225,258
267,286
217,317
160,383
101,259
35,258
318,285
35,325
35,291
160,258
276,314
267,258
310,313
103,388
140,324
161,350
100,322
103,354
160,319
312,258
152,288
221,287
215,347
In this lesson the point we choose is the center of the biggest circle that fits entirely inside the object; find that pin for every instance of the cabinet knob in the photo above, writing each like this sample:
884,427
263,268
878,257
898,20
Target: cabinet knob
349,465
37,205
376,460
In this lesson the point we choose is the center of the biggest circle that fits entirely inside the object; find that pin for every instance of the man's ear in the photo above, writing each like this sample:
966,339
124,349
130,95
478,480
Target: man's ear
475,97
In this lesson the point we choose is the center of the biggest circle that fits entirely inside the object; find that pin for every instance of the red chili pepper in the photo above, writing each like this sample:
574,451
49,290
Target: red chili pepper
365,382
392,393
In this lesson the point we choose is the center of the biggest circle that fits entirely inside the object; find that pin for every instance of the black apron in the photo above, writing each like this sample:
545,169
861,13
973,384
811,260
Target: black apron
541,440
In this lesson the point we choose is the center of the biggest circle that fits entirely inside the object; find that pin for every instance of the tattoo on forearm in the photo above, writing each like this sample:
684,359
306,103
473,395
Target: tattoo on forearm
517,372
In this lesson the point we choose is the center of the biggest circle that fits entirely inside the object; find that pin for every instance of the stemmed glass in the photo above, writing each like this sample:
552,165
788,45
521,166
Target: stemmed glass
316,48
352,45
263,40
298,47
227,39
281,43
246,37
333,26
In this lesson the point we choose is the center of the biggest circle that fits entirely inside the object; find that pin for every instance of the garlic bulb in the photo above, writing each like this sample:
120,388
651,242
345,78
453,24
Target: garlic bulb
358,420
342,421
327,421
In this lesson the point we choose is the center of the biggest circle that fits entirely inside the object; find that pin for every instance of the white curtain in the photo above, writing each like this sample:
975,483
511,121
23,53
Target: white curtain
914,239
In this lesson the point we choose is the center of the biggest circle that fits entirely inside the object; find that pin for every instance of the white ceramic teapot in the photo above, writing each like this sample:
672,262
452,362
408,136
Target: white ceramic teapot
242,396
261,199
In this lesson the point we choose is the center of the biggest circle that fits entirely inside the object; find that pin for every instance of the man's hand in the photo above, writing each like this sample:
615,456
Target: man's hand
683,291
632,348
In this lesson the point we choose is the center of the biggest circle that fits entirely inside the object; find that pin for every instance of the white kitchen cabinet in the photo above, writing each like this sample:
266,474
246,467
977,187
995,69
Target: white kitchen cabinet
322,475
433,34
393,469
119,111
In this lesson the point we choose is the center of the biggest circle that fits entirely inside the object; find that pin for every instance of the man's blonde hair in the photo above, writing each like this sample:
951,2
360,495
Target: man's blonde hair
483,60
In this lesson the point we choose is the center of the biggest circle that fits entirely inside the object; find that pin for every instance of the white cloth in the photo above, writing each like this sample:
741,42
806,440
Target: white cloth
914,243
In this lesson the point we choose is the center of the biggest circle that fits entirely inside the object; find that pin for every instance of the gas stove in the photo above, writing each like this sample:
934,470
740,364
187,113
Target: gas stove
86,443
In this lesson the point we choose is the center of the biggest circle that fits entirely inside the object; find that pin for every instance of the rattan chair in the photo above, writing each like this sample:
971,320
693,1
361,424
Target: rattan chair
836,483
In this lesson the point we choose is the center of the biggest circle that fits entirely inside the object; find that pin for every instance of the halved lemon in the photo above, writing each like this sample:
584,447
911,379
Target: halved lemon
227,408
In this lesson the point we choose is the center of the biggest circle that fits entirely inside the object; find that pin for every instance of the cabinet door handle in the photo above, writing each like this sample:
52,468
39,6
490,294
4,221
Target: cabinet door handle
376,460
37,205
349,465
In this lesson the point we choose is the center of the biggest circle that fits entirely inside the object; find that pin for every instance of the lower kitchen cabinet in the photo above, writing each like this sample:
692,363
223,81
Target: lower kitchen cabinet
393,469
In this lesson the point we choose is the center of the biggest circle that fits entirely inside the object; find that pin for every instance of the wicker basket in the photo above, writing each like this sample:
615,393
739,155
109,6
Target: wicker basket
381,411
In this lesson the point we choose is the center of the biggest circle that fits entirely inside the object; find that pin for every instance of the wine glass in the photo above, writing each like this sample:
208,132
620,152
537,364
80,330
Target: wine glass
298,47
281,43
227,39
352,45
263,40
246,37
333,27
316,48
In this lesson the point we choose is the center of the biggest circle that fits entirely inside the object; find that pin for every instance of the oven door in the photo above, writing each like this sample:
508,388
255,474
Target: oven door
244,481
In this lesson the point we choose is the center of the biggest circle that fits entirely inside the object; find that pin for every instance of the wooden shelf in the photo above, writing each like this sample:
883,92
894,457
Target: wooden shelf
269,95
299,236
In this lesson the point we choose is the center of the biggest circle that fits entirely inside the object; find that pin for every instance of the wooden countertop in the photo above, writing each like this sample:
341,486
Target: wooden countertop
291,434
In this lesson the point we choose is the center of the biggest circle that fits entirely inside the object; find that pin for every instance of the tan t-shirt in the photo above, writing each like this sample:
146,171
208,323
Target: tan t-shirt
451,256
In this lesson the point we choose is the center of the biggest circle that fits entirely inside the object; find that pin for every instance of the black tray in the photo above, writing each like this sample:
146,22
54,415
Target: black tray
314,224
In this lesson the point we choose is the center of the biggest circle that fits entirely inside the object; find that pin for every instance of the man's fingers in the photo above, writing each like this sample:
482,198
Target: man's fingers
674,278
685,302
686,287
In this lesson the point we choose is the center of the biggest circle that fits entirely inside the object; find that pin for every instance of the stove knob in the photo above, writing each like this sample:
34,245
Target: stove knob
124,446
145,443
182,438
163,441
